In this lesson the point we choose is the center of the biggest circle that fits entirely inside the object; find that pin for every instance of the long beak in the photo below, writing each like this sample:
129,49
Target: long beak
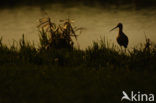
113,28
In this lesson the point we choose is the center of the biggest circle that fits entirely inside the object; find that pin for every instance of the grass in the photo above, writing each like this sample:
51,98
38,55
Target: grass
100,54
48,83
96,75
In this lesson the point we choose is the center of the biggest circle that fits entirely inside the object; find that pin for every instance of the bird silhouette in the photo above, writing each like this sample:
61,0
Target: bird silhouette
122,39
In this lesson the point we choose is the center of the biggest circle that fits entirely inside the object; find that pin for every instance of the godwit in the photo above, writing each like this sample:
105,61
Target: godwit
122,39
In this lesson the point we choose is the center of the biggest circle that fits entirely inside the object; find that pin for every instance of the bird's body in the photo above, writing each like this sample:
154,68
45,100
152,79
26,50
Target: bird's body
122,39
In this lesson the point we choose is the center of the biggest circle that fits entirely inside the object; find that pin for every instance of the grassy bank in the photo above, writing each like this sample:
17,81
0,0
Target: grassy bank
98,74
53,84
98,55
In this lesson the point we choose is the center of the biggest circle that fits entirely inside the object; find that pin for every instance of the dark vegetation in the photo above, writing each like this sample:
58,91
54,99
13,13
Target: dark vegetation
98,55
69,75
135,3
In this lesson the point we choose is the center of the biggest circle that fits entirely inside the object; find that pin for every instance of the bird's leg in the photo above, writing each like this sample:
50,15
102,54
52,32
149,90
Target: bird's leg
125,50
121,49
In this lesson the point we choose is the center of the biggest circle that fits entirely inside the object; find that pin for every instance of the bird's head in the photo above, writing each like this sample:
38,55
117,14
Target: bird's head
118,26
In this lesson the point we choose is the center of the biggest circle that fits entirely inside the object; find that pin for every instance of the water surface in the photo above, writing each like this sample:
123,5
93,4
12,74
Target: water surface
96,21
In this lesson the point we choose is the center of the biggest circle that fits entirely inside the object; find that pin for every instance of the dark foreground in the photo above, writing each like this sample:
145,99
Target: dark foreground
54,84
98,74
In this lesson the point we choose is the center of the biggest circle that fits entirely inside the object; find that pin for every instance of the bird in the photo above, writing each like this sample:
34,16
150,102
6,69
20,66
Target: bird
122,39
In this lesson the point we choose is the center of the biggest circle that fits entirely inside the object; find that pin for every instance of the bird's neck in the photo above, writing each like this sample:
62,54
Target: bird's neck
120,30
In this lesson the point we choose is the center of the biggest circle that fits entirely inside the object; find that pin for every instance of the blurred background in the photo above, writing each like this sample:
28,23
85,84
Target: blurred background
20,17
